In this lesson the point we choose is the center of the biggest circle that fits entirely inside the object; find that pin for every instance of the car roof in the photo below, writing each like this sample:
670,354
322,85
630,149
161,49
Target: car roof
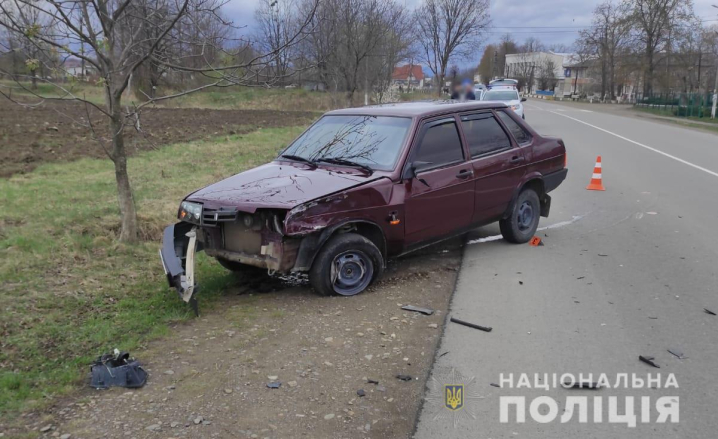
417,109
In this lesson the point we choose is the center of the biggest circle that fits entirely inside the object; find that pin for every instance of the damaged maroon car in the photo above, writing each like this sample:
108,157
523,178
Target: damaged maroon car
365,184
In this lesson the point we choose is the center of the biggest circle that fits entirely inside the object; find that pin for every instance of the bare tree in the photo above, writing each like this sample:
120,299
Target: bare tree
448,30
277,25
606,40
356,43
655,22
546,74
120,37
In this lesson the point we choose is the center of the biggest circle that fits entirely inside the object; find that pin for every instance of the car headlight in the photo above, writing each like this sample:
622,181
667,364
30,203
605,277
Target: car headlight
190,212
516,107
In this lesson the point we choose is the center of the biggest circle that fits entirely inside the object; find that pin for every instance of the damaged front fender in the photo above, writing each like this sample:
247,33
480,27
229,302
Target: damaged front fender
179,246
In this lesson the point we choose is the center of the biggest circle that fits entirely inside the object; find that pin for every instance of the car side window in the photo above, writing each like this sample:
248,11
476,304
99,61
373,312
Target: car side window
484,134
520,134
440,145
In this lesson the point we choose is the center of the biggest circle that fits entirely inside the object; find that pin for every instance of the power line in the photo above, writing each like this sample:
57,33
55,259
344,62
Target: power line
567,27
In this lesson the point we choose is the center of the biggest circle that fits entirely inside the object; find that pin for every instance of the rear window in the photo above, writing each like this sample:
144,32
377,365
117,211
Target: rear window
501,95
522,136
484,134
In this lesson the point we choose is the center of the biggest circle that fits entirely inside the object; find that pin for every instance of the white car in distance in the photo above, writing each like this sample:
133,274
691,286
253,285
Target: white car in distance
509,96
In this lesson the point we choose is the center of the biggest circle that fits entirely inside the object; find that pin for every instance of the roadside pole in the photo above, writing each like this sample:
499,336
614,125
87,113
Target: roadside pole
715,87
715,96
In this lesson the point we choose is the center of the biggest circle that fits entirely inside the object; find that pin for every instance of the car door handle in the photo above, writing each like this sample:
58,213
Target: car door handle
516,159
465,173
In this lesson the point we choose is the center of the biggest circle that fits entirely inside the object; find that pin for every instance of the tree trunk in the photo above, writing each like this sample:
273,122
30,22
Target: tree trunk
128,214
34,79
648,82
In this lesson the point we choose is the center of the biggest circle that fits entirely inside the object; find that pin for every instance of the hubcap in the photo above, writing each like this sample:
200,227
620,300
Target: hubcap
525,216
351,273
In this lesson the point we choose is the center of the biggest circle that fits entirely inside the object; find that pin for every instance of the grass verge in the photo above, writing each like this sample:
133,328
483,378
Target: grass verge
703,123
70,291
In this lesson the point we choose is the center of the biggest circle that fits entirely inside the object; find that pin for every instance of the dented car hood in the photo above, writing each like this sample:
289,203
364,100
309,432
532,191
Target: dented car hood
277,185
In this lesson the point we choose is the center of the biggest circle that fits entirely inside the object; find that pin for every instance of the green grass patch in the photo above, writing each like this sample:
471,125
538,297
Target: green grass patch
705,123
70,291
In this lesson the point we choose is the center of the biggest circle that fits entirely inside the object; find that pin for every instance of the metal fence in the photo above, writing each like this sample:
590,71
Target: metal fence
678,104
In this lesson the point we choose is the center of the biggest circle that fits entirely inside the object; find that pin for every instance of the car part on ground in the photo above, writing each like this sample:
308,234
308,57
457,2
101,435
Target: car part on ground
425,311
472,325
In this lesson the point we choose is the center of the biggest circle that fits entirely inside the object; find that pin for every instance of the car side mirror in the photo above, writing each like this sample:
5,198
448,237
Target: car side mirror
523,99
414,169
417,166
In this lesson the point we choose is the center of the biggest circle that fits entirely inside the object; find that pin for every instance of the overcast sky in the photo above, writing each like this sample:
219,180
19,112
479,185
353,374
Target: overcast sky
553,21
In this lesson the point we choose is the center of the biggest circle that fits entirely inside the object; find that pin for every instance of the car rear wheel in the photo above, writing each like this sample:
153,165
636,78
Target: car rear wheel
346,265
523,221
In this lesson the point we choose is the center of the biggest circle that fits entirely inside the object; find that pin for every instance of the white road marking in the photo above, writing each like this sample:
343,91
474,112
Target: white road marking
586,111
678,159
552,226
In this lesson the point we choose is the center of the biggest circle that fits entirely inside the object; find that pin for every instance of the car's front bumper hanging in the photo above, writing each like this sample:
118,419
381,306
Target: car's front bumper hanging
179,246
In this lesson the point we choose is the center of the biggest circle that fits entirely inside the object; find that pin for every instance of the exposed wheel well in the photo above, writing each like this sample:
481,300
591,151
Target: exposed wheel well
373,233
538,186
312,244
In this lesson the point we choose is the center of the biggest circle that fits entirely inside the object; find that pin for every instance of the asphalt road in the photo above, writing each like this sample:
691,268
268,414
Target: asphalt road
623,273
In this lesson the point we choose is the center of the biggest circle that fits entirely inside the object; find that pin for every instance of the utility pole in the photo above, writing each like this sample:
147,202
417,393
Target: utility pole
715,88
366,80
715,95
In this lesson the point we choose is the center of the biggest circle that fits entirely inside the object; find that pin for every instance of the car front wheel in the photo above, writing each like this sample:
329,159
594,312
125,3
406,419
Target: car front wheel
523,221
346,265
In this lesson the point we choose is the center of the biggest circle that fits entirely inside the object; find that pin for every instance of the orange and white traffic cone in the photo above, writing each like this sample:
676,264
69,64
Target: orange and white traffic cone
596,181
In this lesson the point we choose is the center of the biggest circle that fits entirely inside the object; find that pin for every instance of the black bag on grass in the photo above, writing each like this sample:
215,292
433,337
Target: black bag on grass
117,370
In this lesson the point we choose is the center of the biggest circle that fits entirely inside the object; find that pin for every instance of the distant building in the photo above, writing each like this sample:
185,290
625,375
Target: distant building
73,67
561,74
408,76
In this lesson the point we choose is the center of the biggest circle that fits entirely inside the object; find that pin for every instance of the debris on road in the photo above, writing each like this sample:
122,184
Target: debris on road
495,385
117,369
361,392
274,384
709,311
443,354
425,311
404,377
582,277
678,353
472,325
649,360
371,381
600,254
582,385
535,242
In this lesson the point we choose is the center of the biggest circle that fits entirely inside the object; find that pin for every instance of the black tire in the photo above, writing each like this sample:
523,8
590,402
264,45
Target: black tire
238,267
521,225
354,254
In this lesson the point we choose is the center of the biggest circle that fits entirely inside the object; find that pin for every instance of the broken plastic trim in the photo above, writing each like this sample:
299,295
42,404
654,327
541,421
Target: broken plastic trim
179,242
